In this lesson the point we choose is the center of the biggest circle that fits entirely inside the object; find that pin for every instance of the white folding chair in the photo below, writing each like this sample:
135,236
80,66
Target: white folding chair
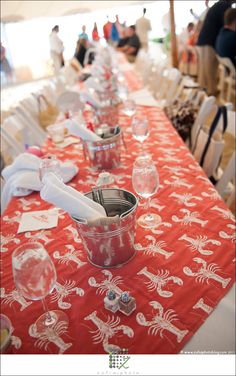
227,82
226,184
31,106
35,135
155,76
208,105
168,88
12,138
71,76
49,93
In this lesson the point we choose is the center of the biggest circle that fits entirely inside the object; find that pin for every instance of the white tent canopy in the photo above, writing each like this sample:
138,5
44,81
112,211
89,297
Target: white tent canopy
12,11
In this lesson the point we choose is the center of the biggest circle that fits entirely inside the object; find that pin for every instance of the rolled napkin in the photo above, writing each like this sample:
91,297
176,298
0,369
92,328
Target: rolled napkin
21,178
70,200
81,131
26,161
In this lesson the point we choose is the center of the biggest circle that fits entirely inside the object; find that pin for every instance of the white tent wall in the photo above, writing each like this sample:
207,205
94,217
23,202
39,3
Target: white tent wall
28,40
33,9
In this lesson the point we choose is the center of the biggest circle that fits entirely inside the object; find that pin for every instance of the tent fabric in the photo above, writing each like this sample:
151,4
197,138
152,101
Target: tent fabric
12,11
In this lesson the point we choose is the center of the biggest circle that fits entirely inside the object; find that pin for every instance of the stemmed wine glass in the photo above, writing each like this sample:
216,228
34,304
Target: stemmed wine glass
35,277
140,129
129,109
145,180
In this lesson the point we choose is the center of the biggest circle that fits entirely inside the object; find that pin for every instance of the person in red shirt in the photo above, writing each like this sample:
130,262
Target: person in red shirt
95,35
107,30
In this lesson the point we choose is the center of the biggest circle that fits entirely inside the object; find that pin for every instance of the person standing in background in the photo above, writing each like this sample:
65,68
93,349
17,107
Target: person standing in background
115,31
143,26
208,63
81,48
95,35
200,18
226,39
83,35
107,30
56,49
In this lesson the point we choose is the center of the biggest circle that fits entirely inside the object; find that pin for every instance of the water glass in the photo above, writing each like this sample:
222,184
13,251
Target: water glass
35,277
56,132
129,108
140,129
145,180
49,164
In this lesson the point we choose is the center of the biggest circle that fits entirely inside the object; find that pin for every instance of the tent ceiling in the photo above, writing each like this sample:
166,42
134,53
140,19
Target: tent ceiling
12,11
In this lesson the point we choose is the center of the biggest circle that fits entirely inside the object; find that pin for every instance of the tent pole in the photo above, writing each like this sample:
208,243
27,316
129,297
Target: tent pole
174,47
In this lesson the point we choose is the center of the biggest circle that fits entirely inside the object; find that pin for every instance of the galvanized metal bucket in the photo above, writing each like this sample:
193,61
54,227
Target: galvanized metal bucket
111,245
104,154
107,115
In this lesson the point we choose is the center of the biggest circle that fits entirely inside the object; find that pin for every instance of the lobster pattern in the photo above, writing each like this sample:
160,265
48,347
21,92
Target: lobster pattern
162,320
108,329
192,245
159,281
206,272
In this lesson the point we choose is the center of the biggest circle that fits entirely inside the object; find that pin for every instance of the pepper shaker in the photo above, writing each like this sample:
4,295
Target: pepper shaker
127,303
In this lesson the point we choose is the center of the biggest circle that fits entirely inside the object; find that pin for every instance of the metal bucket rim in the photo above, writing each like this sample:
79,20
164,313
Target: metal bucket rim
105,141
123,215
82,221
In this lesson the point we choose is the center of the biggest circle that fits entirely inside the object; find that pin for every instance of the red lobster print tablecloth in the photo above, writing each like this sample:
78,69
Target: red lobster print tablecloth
181,270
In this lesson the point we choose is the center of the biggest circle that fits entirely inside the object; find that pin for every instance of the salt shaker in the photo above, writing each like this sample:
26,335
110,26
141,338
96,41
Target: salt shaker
105,180
127,303
111,301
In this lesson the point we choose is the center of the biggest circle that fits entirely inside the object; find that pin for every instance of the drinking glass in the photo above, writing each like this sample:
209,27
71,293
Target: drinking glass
129,107
145,180
49,164
123,92
35,277
140,129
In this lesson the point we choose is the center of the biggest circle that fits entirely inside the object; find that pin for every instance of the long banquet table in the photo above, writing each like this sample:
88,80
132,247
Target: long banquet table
182,269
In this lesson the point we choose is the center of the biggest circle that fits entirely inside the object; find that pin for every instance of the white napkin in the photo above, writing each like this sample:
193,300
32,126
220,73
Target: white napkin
22,176
143,98
70,200
81,131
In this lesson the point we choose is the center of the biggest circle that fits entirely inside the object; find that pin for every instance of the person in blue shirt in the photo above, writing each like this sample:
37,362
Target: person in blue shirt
226,40
83,35
115,31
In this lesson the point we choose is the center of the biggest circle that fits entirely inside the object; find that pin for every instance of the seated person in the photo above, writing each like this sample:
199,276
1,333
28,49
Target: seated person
123,37
132,45
226,40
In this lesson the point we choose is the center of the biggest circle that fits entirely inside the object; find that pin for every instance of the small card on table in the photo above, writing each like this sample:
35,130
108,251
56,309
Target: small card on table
38,220
68,141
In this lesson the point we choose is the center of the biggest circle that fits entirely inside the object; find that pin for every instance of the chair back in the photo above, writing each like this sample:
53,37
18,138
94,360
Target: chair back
206,108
